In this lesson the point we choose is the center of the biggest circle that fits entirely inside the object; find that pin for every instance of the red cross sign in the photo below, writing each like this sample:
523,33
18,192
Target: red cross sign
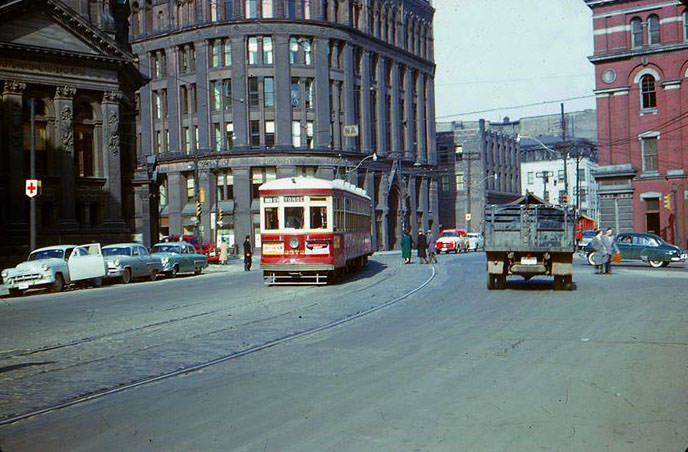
32,187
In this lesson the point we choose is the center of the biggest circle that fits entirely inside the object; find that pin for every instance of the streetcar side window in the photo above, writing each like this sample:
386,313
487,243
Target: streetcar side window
271,221
294,217
318,217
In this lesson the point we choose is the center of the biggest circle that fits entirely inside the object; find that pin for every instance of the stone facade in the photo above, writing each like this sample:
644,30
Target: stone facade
81,80
242,92
641,62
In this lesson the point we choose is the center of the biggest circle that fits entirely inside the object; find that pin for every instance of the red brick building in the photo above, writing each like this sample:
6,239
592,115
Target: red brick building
641,70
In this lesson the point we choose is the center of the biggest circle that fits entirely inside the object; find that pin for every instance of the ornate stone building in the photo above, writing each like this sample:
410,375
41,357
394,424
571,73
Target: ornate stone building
70,59
242,92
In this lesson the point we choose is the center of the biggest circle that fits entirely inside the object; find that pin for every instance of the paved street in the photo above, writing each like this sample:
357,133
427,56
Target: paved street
450,367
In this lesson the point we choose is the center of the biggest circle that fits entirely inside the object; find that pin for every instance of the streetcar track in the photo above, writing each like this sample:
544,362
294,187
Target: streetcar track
114,389
34,351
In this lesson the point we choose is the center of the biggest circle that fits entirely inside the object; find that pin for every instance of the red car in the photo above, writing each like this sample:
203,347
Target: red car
451,240
209,250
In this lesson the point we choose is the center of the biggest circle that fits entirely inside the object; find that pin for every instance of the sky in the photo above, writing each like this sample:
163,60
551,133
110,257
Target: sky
499,54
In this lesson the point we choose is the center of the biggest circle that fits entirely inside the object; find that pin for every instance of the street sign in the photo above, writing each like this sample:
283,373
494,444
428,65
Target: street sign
32,187
468,217
350,130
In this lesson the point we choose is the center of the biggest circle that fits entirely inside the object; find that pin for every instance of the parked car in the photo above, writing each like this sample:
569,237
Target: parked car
127,261
207,249
179,257
55,267
475,241
451,240
644,247
586,237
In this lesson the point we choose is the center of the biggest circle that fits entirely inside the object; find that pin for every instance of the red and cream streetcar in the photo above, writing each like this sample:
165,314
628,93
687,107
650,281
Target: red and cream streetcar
313,230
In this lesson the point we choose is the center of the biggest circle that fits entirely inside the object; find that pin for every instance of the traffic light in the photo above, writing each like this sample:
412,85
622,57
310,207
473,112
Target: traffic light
565,198
198,209
667,201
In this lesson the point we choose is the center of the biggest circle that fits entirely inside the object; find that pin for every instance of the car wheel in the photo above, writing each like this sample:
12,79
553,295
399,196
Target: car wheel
58,284
591,257
153,274
558,282
665,263
97,282
491,281
198,271
174,272
654,263
14,292
126,276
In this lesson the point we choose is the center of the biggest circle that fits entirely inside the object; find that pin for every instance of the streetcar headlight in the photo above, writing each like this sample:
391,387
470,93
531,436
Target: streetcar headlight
293,243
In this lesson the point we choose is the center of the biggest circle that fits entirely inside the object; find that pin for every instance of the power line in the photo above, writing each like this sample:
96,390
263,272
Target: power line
515,106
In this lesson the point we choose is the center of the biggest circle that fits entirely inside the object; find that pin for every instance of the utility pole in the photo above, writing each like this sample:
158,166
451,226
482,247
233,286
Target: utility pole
32,213
565,149
674,189
544,175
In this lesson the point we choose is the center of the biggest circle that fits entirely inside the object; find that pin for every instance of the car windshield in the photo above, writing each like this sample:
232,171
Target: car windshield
47,254
165,248
448,234
117,251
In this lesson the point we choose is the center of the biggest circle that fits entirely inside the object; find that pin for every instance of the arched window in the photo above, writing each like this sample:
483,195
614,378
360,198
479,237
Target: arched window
648,95
135,19
636,32
148,16
653,30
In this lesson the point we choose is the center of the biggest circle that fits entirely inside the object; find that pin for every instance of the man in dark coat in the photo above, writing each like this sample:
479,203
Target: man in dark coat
422,245
248,252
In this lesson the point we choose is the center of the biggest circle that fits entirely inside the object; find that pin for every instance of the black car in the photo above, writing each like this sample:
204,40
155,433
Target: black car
644,247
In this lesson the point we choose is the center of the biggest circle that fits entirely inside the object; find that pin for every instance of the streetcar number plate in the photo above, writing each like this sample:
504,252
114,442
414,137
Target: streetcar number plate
529,260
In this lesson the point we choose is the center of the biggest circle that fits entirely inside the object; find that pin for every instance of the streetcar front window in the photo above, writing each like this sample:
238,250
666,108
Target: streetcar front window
271,219
318,217
294,217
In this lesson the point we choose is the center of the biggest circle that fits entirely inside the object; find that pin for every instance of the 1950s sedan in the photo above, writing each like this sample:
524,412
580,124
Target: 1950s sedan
127,261
644,247
179,257
54,267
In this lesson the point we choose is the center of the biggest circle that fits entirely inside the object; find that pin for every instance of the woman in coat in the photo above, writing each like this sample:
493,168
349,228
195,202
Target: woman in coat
422,245
406,247
600,256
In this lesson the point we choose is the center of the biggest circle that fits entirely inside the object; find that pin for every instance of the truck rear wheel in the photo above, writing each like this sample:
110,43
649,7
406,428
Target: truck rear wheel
491,281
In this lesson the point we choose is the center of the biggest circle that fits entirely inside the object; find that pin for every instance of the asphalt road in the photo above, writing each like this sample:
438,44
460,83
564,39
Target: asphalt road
450,367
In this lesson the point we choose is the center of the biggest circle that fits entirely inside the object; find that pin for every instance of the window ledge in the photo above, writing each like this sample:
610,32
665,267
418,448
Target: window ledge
648,111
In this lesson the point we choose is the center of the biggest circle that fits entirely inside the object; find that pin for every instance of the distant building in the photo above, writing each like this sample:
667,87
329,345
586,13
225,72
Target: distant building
479,164
70,57
640,58
542,171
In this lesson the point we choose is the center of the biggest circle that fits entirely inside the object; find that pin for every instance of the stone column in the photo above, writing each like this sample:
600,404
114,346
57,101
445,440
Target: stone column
383,123
432,137
282,94
369,187
395,120
12,98
365,124
336,118
414,204
349,96
323,109
112,159
409,118
64,125
243,221
421,142
176,198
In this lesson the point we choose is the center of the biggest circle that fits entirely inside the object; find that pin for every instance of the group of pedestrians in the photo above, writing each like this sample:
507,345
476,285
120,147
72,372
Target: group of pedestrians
248,253
425,244
605,248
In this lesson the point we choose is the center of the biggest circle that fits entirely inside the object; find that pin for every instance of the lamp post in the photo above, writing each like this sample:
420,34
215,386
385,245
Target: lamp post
349,171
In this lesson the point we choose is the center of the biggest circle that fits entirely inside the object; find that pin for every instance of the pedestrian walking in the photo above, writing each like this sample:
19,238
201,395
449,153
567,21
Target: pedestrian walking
248,253
432,252
223,252
422,245
406,247
600,255
609,241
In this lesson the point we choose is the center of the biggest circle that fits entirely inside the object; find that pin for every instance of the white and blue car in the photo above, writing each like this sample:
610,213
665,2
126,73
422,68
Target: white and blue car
55,267
179,257
128,261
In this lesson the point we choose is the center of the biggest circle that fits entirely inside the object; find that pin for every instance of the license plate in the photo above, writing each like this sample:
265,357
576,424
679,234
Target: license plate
529,260
23,286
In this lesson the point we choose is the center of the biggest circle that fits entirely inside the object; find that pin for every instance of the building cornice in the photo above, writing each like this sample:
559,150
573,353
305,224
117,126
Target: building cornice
625,54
